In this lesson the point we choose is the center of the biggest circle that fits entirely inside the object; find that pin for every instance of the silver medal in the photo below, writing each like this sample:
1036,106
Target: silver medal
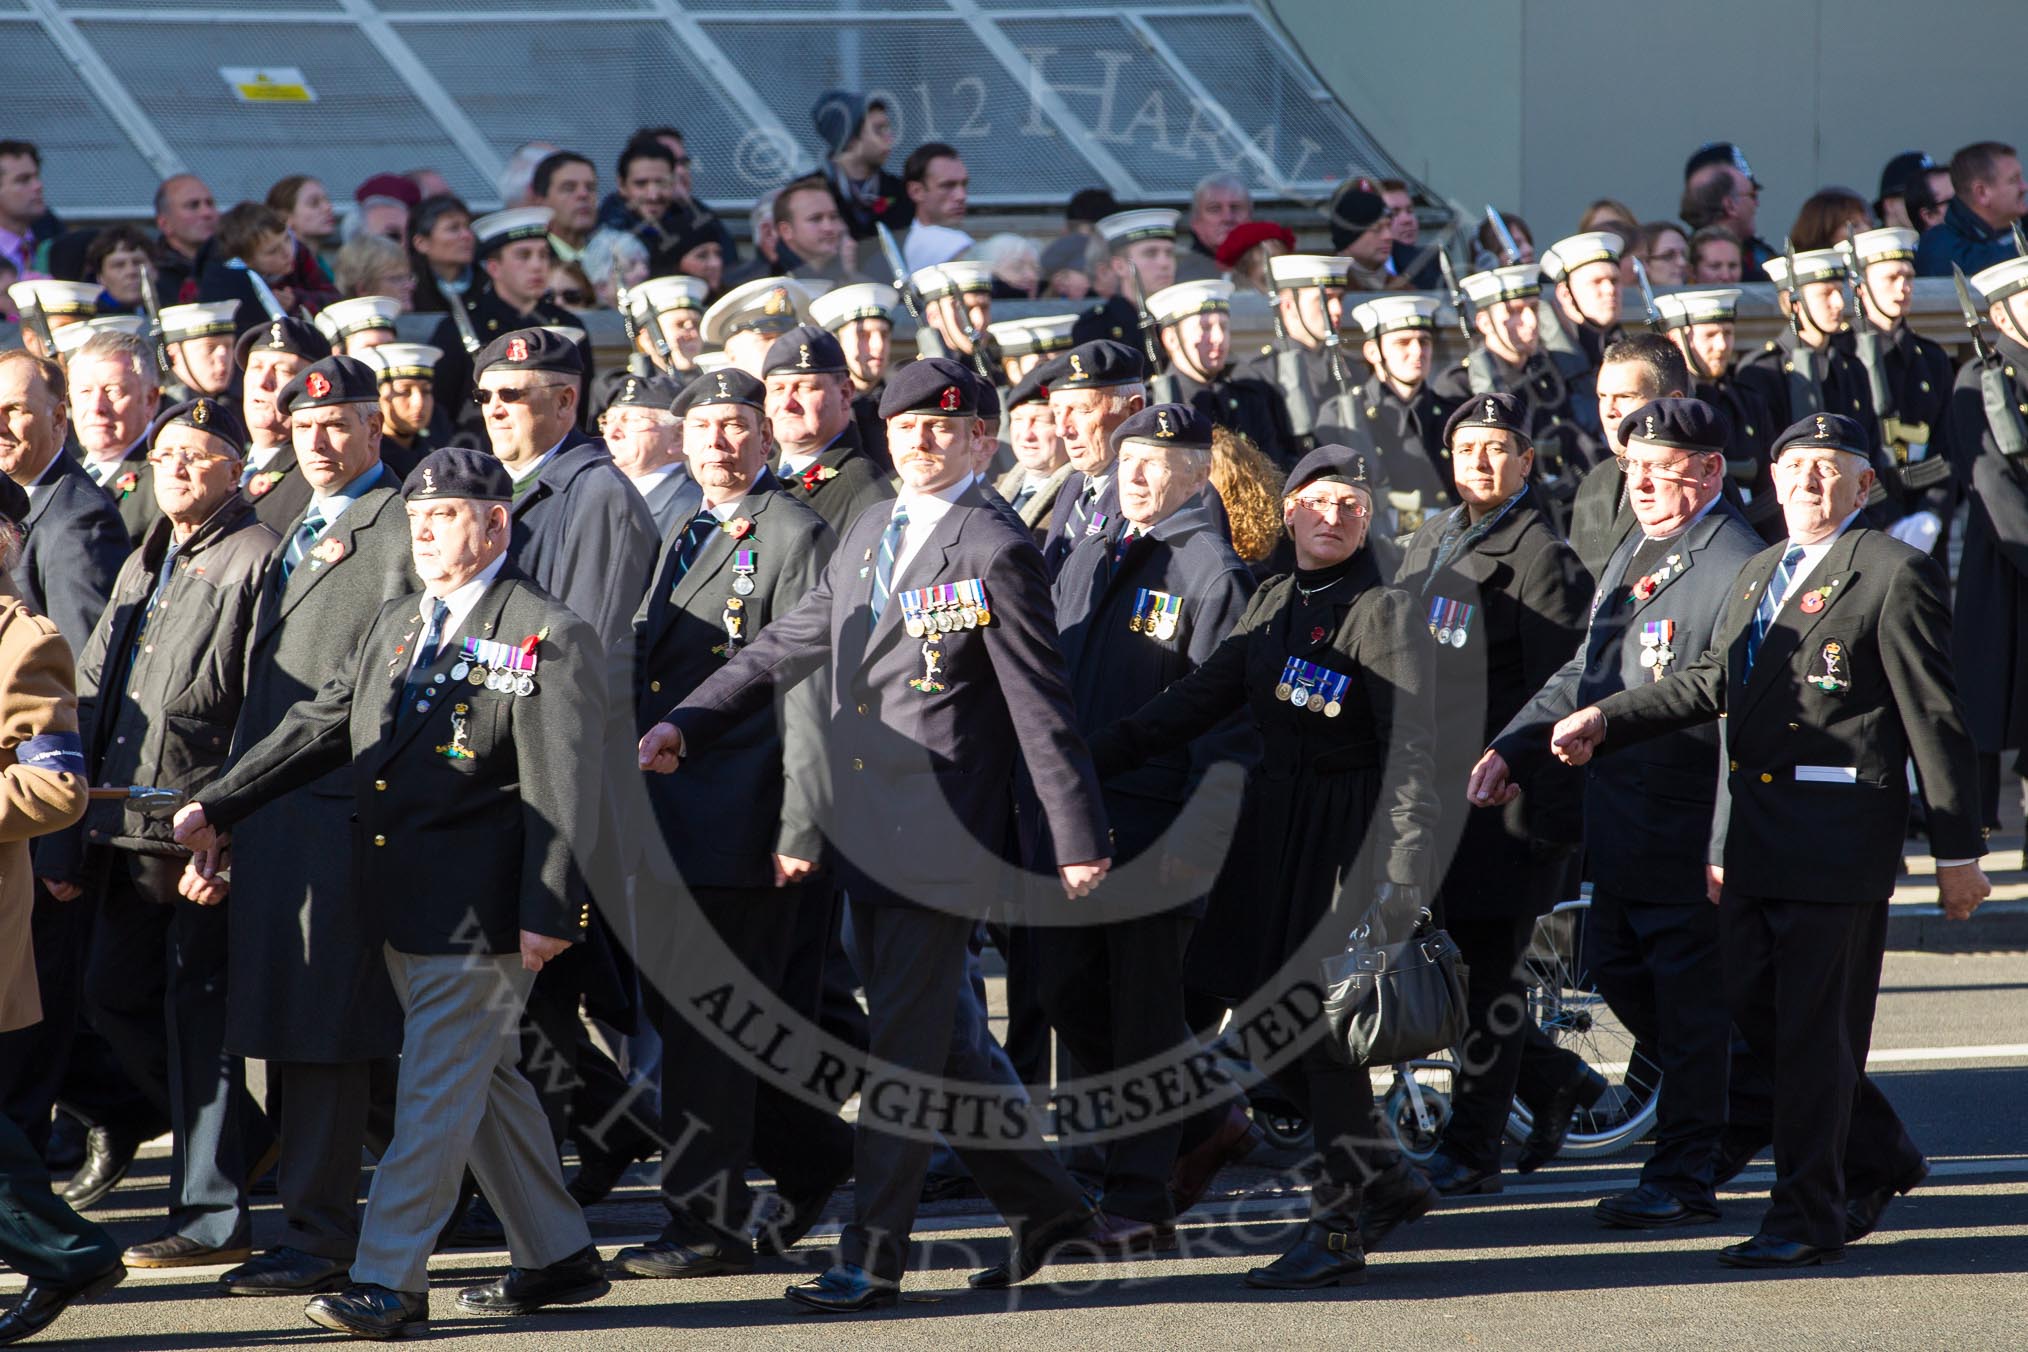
459,672
524,685
1457,638
743,584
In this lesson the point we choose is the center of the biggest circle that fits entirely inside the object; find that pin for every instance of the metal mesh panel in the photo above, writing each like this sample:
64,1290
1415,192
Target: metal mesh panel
939,83
88,163
363,122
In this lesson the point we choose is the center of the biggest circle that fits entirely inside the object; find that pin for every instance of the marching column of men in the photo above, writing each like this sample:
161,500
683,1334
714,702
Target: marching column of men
874,694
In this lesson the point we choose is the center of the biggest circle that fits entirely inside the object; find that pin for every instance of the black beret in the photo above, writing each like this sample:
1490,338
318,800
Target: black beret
530,350
1355,209
293,336
459,472
1822,431
205,414
1099,364
334,380
13,500
805,348
989,401
1503,411
1165,424
1686,424
1033,388
931,385
1102,320
1331,462
727,385
659,391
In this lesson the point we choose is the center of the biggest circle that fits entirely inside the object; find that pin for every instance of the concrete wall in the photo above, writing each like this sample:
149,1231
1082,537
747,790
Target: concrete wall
1543,105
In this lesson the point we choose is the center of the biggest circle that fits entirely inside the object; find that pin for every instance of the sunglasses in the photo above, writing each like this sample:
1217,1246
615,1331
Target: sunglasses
507,394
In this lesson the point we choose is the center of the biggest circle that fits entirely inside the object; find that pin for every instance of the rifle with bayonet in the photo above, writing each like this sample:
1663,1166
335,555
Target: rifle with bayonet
37,320
1289,376
1648,296
658,340
154,311
461,320
1510,250
1161,383
265,294
1341,406
2020,241
2003,418
1461,304
1888,480
973,337
1806,391
928,342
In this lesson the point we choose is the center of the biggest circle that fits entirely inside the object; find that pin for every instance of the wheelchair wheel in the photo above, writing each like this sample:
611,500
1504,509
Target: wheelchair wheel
1565,1003
1282,1125
1417,1105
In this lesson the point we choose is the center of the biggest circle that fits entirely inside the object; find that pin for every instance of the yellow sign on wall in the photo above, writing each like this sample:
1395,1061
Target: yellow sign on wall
268,84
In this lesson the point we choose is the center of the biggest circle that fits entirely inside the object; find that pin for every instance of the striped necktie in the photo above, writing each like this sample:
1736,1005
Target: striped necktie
1771,602
301,542
695,535
890,550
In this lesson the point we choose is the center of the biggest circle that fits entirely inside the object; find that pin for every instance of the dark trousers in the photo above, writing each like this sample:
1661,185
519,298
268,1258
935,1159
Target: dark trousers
1659,965
583,1094
327,1115
710,1099
1503,1052
1028,1019
1802,978
913,964
40,1236
1115,994
804,1147
155,988
1354,1144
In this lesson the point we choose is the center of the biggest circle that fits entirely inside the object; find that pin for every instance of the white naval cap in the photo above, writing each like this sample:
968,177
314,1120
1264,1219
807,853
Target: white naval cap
342,318
402,361
2002,280
1515,282
1130,227
1172,303
501,228
71,337
1290,272
858,300
1572,252
52,297
1812,265
678,291
1680,309
201,320
952,278
1386,314
773,305
1886,245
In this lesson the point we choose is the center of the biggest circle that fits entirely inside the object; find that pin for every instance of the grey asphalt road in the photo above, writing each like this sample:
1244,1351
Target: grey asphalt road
1528,1269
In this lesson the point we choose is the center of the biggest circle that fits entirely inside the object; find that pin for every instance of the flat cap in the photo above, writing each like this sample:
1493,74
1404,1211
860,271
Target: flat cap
208,415
296,337
459,472
538,349
1329,463
1166,425
727,385
1685,424
1822,432
1502,411
1099,364
931,385
334,380
806,349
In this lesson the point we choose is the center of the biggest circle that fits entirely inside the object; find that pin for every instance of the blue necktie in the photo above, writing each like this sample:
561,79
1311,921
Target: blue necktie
301,542
425,652
694,537
890,550
1771,602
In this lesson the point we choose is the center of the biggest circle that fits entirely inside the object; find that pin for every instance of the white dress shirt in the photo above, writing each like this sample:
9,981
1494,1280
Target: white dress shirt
460,602
925,511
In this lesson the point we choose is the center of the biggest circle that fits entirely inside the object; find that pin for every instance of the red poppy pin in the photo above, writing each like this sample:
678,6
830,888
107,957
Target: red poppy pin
950,399
738,528
517,349
327,551
263,481
126,482
817,474
1317,634
1644,588
318,385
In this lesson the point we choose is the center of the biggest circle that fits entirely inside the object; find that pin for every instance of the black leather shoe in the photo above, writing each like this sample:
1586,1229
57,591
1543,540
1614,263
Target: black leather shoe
597,1175
109,1153
1734,1151
42,1302
1324,1256
1765,1251
182,1251
783,1218
1649,1207
1863,1210
286,1272
1393,1200
1042,1245
845,1289
1237,1137
1553,1123
479,1228
948,1188
668,1257
65,1153
569,1281
1452,1177
371,1311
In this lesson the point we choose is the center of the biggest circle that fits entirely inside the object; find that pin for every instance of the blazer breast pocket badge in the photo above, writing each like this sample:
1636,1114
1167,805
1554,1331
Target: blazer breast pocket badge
1156,614
1833,677
459,748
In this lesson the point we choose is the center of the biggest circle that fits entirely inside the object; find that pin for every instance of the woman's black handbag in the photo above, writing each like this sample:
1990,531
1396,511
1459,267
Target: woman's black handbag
1394,1002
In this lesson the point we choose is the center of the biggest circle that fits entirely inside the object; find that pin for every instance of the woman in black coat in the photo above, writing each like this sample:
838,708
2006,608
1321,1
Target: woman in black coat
1504,603
1334,827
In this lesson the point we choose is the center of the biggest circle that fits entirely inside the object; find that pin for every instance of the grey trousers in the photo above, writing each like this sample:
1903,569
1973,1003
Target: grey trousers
463,1100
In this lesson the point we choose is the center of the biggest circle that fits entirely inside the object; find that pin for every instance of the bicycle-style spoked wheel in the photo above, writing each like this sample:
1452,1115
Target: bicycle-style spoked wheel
1565,1003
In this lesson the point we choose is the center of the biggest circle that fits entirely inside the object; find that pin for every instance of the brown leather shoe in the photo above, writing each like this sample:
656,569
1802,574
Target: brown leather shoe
1236,1138
1118,1236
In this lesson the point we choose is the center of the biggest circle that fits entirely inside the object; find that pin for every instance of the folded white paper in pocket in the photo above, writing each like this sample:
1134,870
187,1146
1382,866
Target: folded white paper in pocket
1827,774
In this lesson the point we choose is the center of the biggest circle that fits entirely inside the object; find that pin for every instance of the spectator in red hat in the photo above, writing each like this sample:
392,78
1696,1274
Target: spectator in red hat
384,202
1246,249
